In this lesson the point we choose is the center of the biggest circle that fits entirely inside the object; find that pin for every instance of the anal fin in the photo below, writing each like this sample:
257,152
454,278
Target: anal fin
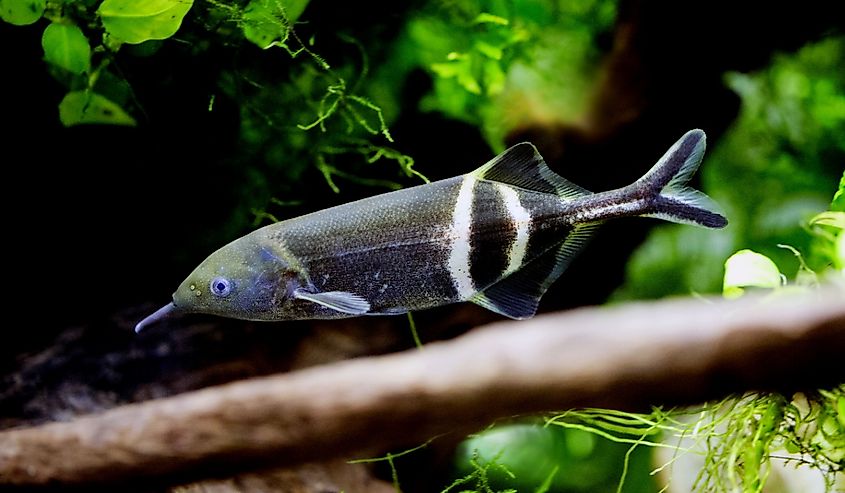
518,295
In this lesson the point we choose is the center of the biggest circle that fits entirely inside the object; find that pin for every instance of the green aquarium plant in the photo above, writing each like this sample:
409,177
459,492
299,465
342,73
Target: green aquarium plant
308,113
22,12
129,21
772,172
83,66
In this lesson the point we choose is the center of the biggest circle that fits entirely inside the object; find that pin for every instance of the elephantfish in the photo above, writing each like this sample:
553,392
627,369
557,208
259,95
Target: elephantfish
498,237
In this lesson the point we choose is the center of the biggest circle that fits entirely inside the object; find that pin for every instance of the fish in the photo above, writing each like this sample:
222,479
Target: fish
498,237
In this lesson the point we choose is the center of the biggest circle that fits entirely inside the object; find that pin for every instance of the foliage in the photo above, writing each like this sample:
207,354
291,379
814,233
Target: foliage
479,477
810,427
483,58
22,12
325,107
267,23
772,173
68,52
67,48
531,457
748,269
89,107
838,204
733,442
390,459
130,21
478,71
307,115
314,116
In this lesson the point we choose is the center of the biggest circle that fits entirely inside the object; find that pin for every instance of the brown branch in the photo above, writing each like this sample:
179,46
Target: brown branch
669,352
334,476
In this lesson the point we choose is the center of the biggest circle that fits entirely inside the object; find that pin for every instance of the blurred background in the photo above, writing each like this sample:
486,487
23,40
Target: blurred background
137,159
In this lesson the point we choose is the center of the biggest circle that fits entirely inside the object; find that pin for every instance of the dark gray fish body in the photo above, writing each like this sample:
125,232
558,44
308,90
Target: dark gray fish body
498,237
407,250
396,260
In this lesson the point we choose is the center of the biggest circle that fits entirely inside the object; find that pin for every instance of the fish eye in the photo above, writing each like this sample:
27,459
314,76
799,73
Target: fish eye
221,286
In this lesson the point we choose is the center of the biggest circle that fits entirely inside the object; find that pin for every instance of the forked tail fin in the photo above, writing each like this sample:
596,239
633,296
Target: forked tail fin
667,180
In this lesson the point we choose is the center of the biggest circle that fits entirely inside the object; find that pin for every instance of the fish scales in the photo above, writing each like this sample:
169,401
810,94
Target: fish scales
497,237
492,235
393,249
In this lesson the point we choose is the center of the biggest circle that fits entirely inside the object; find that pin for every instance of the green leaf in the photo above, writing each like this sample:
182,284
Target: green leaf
65,46
266,22
22,12
261,26
134,21
829,218
494,78
80,107
838,203
488,50
746,269
487,18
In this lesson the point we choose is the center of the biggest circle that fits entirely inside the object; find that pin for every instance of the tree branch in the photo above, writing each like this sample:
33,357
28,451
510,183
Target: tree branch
670,352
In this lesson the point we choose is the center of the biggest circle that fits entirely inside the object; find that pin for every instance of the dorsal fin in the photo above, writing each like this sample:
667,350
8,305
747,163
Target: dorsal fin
522,166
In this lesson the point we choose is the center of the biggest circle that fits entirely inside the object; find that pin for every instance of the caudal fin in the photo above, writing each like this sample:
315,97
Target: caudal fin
667,180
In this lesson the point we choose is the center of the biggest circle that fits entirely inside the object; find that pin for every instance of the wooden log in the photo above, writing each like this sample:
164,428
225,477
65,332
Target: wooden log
306,478
627,356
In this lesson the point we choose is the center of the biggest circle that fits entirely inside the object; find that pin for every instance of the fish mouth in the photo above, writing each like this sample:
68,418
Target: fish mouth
162,313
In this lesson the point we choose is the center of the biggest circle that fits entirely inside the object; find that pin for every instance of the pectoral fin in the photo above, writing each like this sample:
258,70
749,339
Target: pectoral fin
340,301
